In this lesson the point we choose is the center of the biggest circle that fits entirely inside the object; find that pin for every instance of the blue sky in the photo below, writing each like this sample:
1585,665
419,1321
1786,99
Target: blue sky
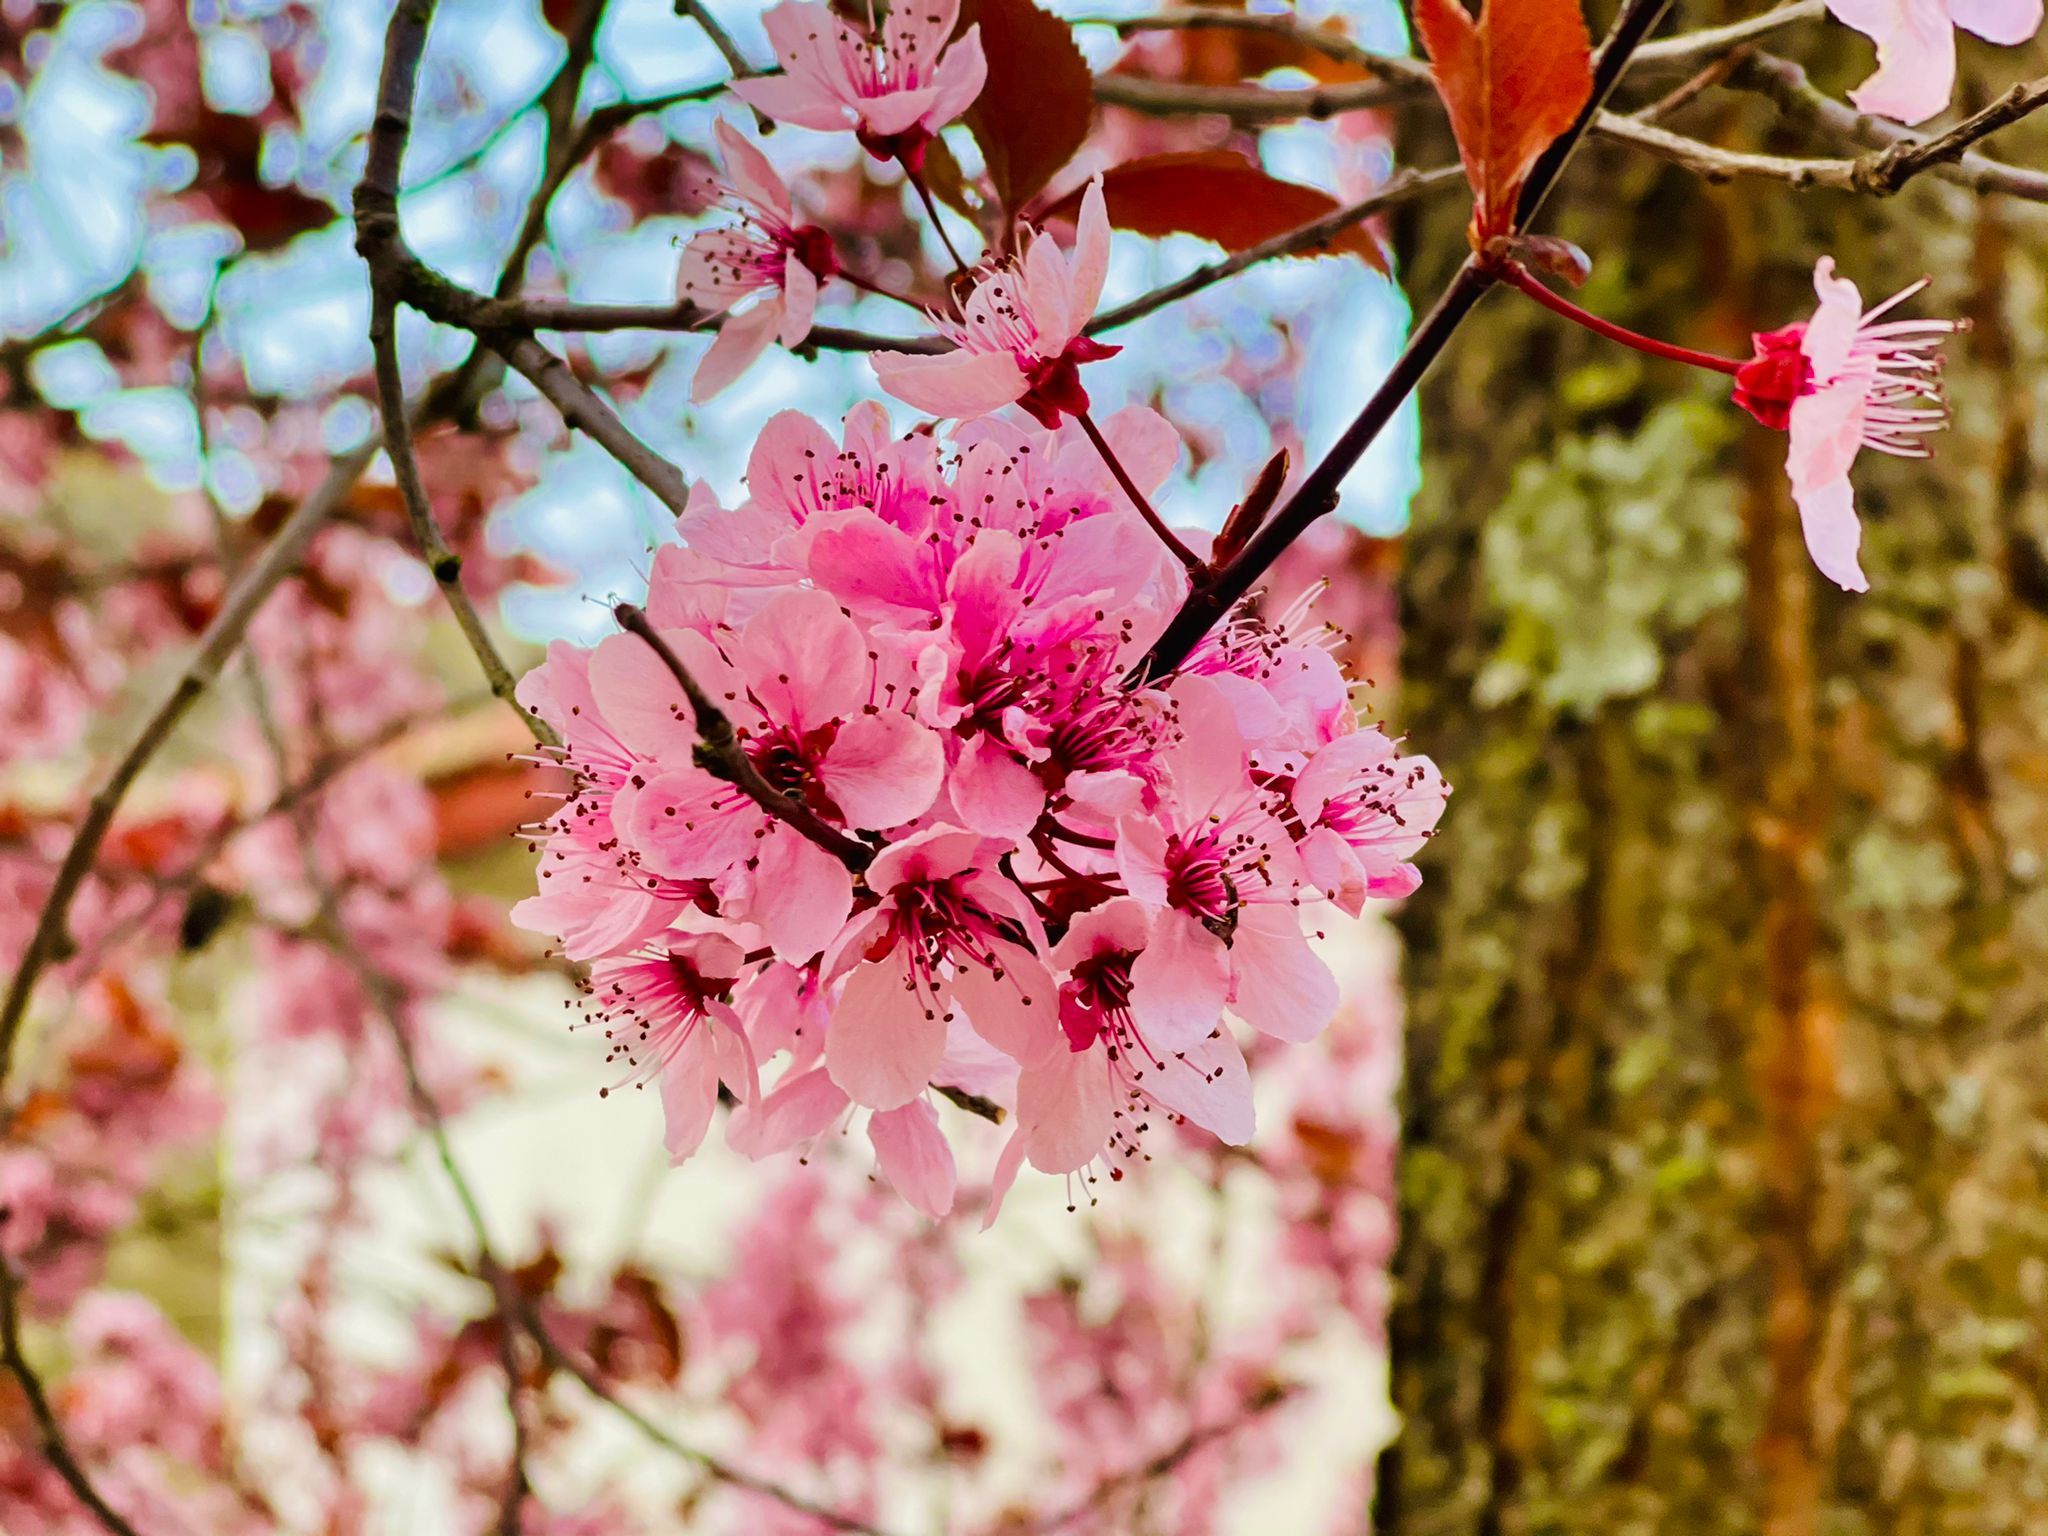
73,222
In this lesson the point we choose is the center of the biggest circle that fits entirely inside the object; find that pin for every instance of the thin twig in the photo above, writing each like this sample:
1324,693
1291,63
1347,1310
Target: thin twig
583,408
1881,173
50,1438
443,562
728,50
720,753
1187,557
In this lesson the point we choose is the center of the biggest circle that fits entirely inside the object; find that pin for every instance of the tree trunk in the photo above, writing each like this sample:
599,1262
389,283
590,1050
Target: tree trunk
1726,1110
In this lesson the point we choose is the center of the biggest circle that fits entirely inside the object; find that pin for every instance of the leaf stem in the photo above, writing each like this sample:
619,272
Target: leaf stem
1515,275
931,209
1181,552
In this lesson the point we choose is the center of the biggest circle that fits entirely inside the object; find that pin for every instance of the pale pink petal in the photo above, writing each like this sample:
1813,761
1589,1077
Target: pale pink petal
718,268
737,1068
886,1038
1832,332
1209,1084
937,853
993,792
874,568
1120,926
1141,859
782,470
1108,793
914,1156
741,339
684,823
802,894
951,383
689,1094
1333,865
1090,261
639,699
957,82
1825,433
1282,987
1916,61
1338,767
883,770
790,100
1045,296
1008,1161
800,301
2007,22
975,1066
898,111
800,1108
1827,516
1179,983
804,659
750,172
1257,713
915,34
1065,1109
1017,1012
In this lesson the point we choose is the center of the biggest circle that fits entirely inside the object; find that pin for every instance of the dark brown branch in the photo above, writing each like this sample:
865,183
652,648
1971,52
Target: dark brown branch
1316,496
720,754
50,1438
973,1103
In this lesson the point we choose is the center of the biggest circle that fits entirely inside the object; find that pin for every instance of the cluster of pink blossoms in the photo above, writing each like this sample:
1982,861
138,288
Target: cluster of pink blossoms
1058,888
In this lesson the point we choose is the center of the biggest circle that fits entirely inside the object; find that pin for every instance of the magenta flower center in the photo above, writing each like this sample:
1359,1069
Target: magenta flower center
1777,375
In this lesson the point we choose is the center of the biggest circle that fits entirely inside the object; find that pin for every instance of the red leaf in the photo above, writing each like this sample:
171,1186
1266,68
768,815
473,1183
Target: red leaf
1035,110
1513,81
1221,196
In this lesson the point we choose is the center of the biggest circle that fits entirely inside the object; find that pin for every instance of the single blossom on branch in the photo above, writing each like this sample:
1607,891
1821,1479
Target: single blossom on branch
895,86
768,256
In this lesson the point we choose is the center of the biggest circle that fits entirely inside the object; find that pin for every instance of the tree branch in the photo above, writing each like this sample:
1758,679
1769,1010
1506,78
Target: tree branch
1881,173
49,1432
1208,600
720,754
442,561
1786,83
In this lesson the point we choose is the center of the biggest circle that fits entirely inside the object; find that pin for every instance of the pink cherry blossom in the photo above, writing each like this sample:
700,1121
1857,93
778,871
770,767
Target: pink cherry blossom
1065,893
666,1014
1843,381
1916,47
895,90
767,254
1019,340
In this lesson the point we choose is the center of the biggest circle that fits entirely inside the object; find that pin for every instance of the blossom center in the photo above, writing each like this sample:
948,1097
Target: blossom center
1777,375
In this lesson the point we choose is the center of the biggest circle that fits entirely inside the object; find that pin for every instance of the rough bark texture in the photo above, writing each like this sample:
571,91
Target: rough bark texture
1727,1101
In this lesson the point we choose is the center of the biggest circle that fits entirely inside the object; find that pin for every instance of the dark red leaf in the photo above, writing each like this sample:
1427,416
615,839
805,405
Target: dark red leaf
1221,196
1035,110
1513,81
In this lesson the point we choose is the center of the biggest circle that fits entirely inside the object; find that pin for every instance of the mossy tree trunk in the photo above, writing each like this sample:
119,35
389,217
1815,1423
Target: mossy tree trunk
1727,1096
